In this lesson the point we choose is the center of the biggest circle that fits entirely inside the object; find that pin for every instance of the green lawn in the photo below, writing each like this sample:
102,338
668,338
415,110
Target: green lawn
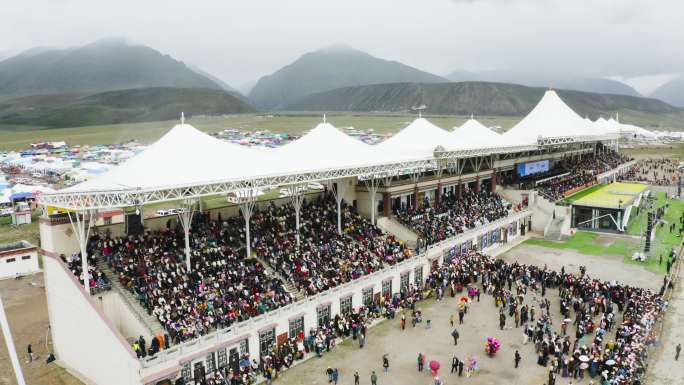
638,223
19,137
585,242
583,193
10,233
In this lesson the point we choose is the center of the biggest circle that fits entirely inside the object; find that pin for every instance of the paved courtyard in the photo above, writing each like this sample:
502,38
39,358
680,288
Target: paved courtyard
481,321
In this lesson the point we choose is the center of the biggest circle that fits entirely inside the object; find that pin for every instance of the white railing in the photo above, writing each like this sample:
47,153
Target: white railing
222,335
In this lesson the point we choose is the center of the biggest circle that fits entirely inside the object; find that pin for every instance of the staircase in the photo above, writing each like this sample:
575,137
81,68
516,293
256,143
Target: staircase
392,226
554,230
150,321
298,294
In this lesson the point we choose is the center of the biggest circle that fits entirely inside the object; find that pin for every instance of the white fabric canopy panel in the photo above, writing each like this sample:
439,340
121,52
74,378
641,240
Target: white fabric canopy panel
184,156
418,140
473,134
551,117
325,146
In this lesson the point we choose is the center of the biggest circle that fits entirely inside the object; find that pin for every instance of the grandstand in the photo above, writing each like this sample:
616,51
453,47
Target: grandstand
208,287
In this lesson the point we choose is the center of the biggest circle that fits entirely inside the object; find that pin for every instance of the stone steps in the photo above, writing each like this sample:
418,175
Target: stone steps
298,295
149,321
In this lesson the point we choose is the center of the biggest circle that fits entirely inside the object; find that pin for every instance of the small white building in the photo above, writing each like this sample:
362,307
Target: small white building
18,258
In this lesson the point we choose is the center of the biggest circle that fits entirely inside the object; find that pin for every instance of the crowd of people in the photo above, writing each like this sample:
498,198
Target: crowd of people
97,280
594,307
223,286
453,215
655,171
324,258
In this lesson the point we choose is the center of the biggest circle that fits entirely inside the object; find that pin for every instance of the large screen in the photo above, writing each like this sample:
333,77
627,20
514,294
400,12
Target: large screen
533,167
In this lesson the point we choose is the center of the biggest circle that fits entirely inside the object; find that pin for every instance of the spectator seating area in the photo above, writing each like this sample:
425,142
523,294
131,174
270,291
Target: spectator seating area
453,215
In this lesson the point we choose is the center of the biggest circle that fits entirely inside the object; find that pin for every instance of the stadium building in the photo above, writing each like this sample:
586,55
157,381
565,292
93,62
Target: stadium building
92,330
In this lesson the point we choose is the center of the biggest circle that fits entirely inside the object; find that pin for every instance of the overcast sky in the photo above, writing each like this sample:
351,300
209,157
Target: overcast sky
239,41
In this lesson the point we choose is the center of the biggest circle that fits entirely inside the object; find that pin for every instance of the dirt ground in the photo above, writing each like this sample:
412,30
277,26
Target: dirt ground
481,322
26,309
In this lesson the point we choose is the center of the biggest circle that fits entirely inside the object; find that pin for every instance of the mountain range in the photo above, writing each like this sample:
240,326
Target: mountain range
671,92
479,98
330,68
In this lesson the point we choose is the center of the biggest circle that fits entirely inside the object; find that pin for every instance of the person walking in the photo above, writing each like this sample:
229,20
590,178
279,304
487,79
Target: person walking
403,321
385,363
362,340
461,313
356,378
335,376
517,359
454,364
29,350
451,320
374,378
455,336
420,362
677,350
460,368
329,372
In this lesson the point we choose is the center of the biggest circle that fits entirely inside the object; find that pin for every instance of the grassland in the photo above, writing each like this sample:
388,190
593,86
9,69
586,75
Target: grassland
581,194
587,243
10,233
19,137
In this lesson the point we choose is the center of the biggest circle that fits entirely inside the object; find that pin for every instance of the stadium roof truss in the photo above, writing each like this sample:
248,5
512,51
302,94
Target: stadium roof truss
442,159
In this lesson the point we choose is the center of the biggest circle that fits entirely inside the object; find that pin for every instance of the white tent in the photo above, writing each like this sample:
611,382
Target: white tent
184,156
473,134
418,140
550,117
325,146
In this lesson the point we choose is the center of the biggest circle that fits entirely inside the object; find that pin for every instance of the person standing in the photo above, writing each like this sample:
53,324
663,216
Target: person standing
517,359
451,320
455,335
420,362
461,313
460,368
362,340
385,363
356,378
454,364
403,321
502,320
29,350
677,350
374,378
329,372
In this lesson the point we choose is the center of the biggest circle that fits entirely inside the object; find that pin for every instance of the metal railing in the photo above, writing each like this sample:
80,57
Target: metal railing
235,330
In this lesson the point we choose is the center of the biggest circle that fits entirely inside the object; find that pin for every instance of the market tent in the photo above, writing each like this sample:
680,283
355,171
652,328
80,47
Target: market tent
325,146
551,117
184,156
417,140
473,134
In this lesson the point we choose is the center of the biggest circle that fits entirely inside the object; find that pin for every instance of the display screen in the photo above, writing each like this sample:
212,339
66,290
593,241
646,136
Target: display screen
533,167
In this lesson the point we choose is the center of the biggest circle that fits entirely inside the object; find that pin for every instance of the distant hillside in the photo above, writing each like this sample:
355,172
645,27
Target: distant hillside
671,92
105,65
327,69
136,105
530,79
479,98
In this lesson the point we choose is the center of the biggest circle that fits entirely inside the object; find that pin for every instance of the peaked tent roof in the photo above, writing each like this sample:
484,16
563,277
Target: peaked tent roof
473,134
184,156
550,117
326,147
417,140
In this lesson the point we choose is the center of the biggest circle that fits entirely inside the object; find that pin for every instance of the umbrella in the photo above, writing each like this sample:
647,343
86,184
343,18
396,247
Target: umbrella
584,358
584,365
434,365
610,362
463,299
567,320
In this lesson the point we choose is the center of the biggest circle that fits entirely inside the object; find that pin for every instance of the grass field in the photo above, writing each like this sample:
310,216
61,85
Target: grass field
10,233
587,243
581,194
611,195
19,137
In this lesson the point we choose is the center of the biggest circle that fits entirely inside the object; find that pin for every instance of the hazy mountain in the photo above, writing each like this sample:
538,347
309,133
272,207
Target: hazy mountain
135,105
329,68
479,98
105,65
598,85
671,92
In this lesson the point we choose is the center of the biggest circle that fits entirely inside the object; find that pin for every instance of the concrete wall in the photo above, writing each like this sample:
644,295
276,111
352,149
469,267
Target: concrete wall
58,238
85,342
21,262
121,316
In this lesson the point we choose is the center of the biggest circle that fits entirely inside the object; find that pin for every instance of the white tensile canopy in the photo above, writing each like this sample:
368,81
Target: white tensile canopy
325,146
551,117
418,140
473,134
184,156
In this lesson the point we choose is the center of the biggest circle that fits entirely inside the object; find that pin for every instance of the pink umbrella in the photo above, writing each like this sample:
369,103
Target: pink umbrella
434,366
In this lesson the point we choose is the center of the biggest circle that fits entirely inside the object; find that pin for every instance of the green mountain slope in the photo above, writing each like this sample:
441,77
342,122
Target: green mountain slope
479,98
327,69
105,65
136,105
533,79
671,92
